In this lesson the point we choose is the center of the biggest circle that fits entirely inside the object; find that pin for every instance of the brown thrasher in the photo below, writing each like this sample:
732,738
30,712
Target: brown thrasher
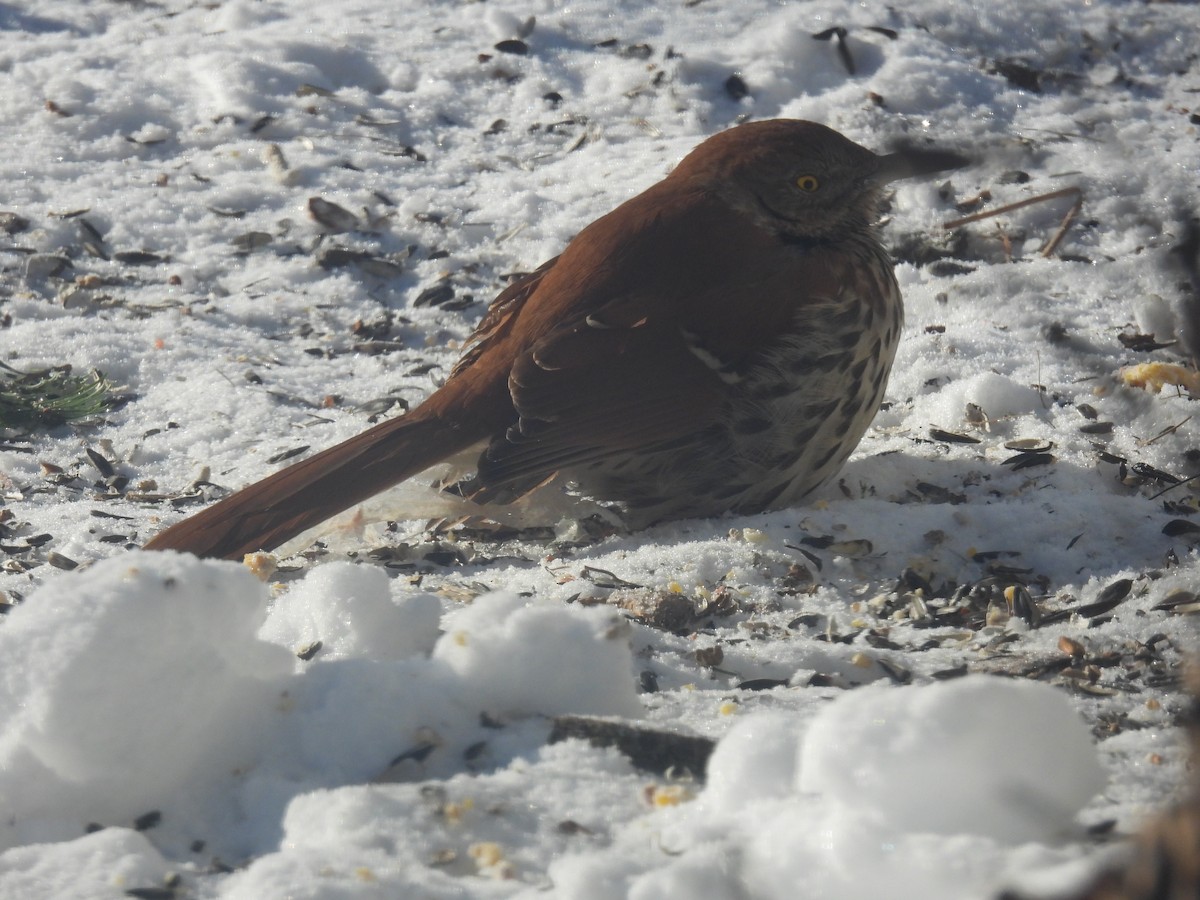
719,343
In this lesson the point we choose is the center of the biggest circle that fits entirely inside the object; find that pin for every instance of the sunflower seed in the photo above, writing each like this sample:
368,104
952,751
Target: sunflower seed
1180,527
1029,445
515,47
335,219
61,562
288,454
102,465
139,258
1109,598
251,241
950,437
11,223
146,821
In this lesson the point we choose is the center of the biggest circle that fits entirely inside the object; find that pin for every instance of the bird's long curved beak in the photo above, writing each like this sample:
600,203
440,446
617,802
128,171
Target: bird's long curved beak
916,162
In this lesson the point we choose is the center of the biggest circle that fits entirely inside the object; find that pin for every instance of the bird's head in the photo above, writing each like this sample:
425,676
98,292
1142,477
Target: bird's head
802,179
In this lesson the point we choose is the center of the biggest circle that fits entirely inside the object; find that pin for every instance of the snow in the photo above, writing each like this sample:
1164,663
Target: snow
375,720
351,610
986,743
127,686
151,683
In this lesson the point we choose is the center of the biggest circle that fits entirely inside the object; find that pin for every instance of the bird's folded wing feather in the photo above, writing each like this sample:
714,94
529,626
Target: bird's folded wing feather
635,373
681,299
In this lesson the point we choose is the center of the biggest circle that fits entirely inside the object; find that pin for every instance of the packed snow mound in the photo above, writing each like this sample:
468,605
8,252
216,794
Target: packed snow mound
979,755
157,690
126,682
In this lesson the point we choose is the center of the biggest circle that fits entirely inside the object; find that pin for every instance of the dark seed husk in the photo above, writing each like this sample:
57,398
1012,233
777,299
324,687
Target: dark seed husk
513,46
1179,598
762,684
11,223
139,258
950,437
61,562
102,465
288,454
1109,598
1029,445
736,88
1179,527
332,217
438,295
146,821
1028,460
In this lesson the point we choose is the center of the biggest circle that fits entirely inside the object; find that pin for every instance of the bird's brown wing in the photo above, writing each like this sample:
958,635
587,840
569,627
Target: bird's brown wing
631,375
595,390
586,395
647,355
501,315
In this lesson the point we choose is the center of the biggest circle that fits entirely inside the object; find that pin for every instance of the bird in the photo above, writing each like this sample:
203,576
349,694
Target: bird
717,344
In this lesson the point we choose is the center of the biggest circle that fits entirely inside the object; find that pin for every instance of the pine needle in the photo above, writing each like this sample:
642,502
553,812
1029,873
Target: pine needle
50,397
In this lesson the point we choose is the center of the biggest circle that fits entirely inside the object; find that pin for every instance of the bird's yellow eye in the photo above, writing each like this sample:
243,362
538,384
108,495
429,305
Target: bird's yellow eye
808,183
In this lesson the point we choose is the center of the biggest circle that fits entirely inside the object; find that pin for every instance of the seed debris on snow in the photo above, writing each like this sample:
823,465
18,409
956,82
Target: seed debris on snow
784,612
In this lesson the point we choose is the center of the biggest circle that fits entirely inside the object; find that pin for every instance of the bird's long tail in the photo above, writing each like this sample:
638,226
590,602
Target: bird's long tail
288,503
